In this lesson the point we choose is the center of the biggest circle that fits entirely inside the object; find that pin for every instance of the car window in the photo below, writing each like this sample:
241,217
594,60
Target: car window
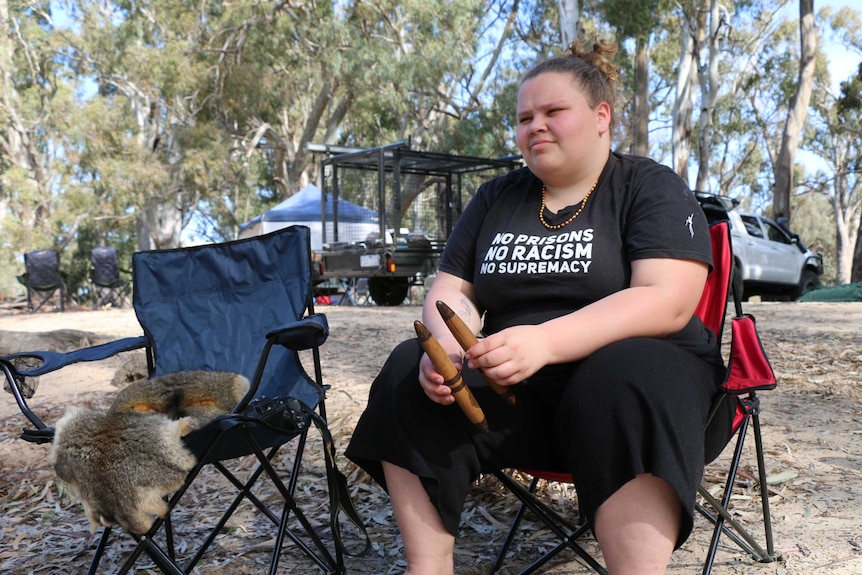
751,226
775,234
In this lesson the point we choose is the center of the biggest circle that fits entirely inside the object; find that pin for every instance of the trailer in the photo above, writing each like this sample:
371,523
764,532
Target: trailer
416,198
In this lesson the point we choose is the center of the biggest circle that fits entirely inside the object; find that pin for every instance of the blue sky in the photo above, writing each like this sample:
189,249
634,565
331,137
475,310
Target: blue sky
842,62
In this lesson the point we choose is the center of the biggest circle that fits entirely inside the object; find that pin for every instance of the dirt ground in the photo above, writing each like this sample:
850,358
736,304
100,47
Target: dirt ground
812,431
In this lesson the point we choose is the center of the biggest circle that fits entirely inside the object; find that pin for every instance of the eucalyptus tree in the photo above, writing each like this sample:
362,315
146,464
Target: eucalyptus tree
34,99
689,29
760,69
355,73
710,85
701,31
147,150
570,21
741,77
851,104
797,110
205,109
636,20
834,136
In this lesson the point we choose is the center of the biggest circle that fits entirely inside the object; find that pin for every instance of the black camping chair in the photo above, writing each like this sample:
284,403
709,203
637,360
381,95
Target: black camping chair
107,288
243,307
43,279
748,371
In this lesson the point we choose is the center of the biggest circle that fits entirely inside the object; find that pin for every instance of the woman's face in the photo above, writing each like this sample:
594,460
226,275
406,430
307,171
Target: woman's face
559,133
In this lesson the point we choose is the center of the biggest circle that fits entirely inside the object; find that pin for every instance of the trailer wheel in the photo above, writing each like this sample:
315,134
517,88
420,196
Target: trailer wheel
388,291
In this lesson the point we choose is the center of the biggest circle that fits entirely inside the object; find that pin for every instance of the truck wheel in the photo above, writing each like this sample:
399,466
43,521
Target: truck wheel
388,291
808,282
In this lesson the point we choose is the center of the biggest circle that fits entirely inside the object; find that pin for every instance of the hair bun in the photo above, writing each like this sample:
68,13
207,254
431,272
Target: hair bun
600,56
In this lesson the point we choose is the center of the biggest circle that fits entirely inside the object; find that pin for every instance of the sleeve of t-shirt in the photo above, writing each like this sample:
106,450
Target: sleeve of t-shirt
665,220
459,257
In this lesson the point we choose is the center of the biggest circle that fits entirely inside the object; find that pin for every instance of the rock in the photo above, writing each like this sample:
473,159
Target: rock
60,340
132,369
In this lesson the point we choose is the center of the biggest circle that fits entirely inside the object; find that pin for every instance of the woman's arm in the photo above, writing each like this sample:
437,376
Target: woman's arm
458,294
661,300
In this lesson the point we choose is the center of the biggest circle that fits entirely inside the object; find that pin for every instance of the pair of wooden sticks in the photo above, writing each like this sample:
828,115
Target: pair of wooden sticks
466,339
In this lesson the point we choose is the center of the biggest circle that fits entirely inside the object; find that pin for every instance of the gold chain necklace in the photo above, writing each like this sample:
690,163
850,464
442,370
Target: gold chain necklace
571,219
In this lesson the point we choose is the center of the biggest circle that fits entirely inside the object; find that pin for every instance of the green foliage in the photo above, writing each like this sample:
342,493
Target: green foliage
632,18
817,231
851,94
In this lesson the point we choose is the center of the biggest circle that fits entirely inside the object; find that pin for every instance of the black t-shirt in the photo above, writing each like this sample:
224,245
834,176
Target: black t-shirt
524,273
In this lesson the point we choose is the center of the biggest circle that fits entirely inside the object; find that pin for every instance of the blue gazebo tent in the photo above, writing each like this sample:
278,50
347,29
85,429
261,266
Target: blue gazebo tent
355,222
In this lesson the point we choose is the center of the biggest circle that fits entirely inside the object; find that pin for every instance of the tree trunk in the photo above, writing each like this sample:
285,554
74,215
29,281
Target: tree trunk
6,53
856,273
570,21
797,113
709,82
641,99
684,102
16,134
162,224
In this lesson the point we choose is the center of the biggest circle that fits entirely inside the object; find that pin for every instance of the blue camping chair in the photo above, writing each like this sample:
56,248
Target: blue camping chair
243,307
43,279
107,288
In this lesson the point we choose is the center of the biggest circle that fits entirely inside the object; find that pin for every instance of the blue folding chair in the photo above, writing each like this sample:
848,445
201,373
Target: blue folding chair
107,288
242,307
43,279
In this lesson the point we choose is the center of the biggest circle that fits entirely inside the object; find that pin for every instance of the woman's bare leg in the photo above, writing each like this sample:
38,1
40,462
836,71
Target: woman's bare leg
429,547
637,527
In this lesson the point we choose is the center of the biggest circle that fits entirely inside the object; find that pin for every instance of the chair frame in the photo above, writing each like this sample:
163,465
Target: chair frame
356,293
255,437
748,412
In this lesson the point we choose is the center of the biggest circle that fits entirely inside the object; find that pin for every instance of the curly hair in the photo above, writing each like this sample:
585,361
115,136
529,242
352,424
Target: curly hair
592,68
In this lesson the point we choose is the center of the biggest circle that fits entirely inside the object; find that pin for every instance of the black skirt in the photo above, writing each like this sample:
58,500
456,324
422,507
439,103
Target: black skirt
636,406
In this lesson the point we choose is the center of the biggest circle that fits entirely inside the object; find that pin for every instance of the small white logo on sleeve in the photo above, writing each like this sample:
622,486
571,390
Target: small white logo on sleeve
689,221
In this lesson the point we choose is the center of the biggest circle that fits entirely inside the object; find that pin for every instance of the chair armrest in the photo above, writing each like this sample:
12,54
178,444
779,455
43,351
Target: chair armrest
306,333
52,360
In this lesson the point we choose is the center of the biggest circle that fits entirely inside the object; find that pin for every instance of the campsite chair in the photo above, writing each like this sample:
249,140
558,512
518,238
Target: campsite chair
43,279
748,371
244,307
356,292
106,285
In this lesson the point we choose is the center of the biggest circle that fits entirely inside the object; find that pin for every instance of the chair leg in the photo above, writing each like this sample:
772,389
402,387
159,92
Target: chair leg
510,536
739,534
322,557
552,521
100,550
764,488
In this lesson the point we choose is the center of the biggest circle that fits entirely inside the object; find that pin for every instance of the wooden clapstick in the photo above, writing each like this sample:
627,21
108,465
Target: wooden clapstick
466,339
463,396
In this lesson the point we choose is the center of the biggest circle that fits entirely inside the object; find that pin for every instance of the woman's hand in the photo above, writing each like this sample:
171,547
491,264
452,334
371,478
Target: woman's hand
512,355
431,380
458,295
